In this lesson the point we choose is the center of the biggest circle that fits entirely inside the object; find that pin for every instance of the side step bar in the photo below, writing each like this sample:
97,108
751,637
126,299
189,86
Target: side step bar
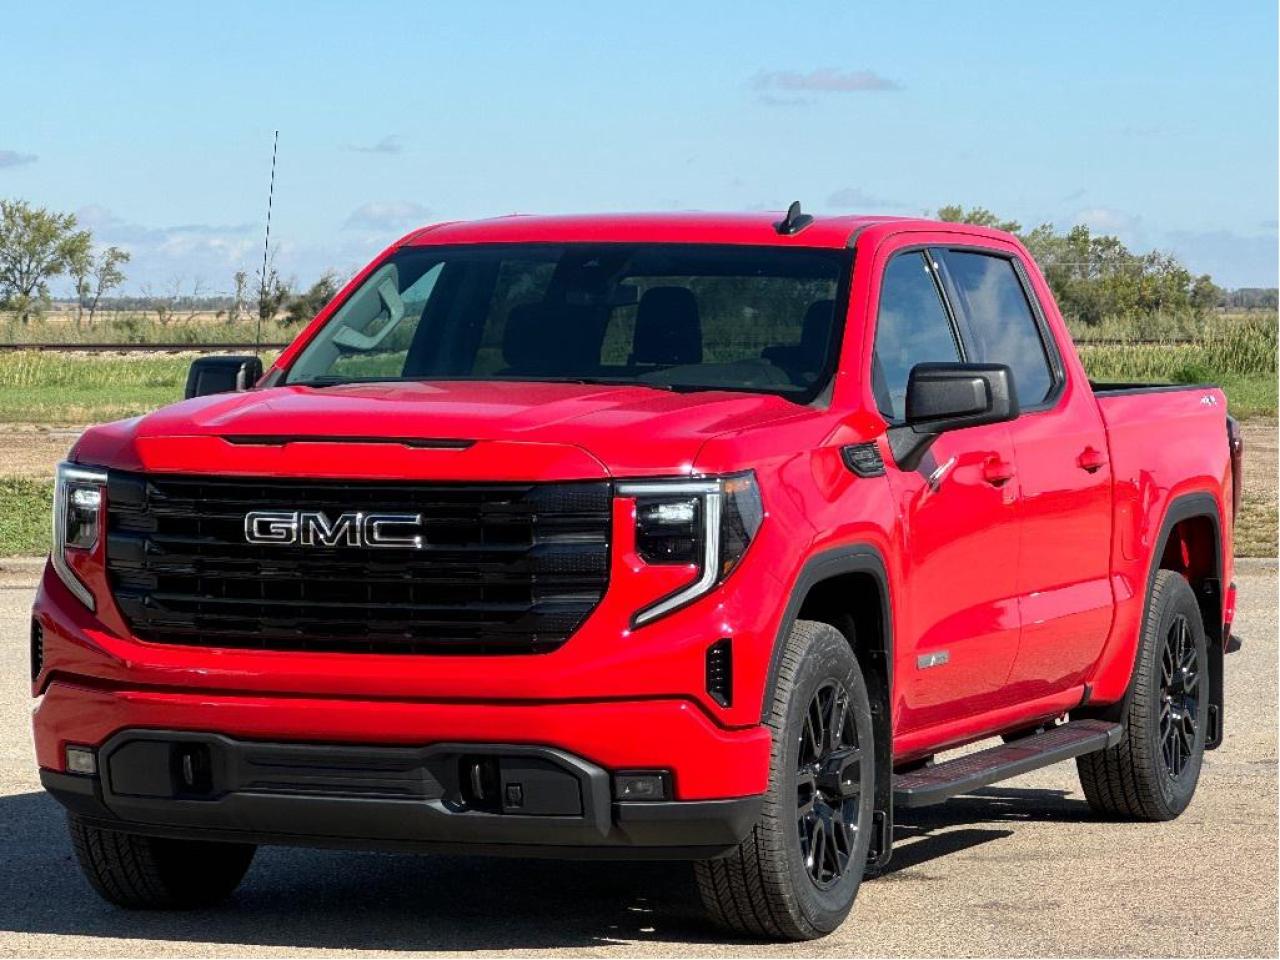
933,784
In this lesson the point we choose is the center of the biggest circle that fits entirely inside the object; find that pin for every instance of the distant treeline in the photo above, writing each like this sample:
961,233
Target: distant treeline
1096,278
1250,298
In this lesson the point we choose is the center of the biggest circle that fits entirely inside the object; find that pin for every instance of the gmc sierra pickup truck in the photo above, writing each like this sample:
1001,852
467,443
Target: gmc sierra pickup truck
660,536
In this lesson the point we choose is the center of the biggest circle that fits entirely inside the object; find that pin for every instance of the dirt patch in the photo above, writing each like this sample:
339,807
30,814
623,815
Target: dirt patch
1256,529
33,451
1260,446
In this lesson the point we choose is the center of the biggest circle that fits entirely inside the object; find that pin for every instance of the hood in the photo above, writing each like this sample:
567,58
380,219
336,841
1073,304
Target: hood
433,430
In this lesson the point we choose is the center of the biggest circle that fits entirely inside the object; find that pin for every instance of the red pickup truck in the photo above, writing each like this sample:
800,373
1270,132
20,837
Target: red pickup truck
658,536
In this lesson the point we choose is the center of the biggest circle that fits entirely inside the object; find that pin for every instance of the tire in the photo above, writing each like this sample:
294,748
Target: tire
151,873
769,887
1152,773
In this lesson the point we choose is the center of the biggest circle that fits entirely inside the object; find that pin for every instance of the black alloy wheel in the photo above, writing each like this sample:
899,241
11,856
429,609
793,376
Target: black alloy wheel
828,786
1179,696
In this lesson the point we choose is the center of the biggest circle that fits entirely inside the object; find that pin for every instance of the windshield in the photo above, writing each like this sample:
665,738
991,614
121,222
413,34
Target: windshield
675,317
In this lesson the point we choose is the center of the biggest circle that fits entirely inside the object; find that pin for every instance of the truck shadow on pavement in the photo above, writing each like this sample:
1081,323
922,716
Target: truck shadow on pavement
928,833
336,901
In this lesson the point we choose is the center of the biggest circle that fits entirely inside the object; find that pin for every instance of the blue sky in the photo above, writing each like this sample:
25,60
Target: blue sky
1153,120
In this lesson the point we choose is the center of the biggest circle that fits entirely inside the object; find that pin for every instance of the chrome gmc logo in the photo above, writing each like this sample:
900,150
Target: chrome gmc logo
312,528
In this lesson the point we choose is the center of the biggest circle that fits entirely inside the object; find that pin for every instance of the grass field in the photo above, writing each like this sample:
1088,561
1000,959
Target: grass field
136,327
55,388
25,509
1237,353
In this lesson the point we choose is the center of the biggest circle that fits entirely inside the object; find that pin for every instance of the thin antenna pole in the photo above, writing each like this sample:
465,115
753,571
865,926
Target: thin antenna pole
266,246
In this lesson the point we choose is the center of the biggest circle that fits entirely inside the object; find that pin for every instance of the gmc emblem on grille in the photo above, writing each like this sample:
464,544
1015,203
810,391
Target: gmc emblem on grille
312,528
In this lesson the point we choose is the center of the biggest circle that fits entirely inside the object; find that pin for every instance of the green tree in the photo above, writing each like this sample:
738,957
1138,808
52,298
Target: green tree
1096,277
273,291
238,300
79,270
36,245
312,300
979,217
106,275
1205,294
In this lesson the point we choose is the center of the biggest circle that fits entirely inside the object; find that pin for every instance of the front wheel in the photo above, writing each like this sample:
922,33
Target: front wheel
1152,773
796,874
154,873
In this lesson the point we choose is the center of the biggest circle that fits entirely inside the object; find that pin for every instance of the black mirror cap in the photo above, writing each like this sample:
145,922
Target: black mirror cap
950,396
209,375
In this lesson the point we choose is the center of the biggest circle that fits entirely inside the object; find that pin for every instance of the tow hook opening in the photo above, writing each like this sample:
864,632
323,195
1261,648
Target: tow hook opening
480,783
191,769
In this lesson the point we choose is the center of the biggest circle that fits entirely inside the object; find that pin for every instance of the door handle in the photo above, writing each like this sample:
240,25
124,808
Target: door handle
1091,460
997,471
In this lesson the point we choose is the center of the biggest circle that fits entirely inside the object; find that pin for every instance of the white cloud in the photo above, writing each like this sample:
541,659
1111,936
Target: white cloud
12,158
388,144
822,80
1109,220
388,216
204,253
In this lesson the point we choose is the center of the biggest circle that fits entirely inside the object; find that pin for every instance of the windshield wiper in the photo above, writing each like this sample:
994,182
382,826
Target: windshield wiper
614,382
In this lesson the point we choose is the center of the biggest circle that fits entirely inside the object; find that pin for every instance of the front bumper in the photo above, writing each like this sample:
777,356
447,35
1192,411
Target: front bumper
375,774
543,801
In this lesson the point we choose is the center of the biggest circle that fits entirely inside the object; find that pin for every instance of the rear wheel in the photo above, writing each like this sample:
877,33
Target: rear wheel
1152,773
796,874
153,873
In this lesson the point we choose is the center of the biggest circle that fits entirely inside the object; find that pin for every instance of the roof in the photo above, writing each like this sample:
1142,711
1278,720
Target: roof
685,227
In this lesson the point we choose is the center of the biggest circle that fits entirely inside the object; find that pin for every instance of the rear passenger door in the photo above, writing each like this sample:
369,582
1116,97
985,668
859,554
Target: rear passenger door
1060,447
958,521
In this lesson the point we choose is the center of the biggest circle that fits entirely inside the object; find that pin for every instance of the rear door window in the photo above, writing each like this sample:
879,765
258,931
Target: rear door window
912,327
1000,321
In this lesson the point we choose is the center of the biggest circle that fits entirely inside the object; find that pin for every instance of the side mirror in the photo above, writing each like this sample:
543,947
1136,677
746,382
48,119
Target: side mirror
950,396
222,375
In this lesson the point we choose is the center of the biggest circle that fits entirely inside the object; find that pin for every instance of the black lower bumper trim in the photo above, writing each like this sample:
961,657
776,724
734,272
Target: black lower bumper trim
387,798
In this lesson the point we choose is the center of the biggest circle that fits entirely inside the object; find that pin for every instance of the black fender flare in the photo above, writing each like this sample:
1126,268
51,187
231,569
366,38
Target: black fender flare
1186,507
860,558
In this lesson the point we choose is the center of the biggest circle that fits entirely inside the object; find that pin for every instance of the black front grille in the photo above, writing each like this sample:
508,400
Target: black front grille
504,568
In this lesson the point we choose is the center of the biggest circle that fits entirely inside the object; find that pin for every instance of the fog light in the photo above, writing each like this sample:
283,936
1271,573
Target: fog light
82,760
641,785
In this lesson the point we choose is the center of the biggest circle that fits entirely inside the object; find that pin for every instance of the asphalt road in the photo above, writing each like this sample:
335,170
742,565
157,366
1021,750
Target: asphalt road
1018,869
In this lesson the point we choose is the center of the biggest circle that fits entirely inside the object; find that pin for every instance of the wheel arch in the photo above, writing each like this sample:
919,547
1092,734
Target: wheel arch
848,588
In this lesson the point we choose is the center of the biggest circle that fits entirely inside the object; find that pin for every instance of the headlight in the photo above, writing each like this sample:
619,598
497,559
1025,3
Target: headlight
78,495
706,523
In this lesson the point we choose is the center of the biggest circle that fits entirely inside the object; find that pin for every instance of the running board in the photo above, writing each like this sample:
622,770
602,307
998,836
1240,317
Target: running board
933,784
